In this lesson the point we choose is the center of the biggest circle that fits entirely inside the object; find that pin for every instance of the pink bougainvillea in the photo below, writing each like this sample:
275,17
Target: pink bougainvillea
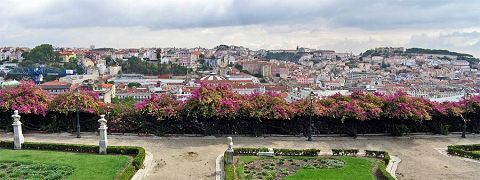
27,98
402,106
67,102
161,106
267,106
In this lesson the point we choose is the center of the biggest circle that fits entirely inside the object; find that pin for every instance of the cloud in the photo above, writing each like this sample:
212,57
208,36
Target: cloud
174,14
341,25
467,42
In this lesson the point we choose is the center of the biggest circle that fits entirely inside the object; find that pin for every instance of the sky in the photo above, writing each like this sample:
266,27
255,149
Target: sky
340,25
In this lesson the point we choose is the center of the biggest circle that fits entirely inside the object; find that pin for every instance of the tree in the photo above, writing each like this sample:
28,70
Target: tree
27,98
400,107
472,111
110,61
42,54
265,107
66,103
210,104
74,65
160,106
134,84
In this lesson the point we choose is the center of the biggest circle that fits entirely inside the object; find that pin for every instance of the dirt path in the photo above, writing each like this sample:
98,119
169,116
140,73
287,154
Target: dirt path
194,158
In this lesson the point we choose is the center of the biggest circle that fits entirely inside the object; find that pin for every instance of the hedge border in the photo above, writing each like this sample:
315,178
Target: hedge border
138,153
277,152
344,152
465,151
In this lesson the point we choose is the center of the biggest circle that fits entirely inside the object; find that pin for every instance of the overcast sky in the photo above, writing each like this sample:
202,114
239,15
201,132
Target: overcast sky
341,25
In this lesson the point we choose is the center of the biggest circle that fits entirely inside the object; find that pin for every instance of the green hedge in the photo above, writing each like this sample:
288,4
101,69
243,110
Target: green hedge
384,175
278,152
248,151
296,152
378,154
465,151
344,152
138,153
381,166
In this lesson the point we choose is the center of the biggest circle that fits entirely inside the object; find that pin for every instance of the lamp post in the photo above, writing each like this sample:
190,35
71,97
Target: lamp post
310,120
77,95
464,128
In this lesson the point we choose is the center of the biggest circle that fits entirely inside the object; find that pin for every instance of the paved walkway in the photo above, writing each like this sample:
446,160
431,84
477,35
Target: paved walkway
194,157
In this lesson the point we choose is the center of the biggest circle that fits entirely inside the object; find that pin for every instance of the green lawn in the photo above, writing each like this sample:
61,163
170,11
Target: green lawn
358,168
85,166
355,168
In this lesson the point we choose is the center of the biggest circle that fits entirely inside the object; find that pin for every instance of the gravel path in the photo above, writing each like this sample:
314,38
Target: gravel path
194,157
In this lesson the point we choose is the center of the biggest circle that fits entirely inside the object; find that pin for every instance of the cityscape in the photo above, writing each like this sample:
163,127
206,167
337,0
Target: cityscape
239,90
138,73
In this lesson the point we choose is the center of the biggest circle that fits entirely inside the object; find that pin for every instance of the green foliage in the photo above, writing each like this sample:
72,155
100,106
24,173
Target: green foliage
134,84
322,168
11,170
378,154
137,66
278,152
296,152
111,62
86,166
128,172
229,172
360,168
468,151
384,175
74,65
284,56
434,51
42,54
344,152
248,151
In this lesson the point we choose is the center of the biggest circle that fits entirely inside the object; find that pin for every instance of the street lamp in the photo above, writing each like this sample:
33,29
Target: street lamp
464,128
77,95
310,120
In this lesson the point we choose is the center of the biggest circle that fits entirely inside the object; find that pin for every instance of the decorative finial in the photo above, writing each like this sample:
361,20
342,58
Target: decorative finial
15,116
102,121
230,143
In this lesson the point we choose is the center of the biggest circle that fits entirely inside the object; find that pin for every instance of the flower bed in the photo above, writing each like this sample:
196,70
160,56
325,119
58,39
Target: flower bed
306,164
21,170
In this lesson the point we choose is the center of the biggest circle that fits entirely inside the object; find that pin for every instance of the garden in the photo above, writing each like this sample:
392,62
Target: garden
299,165
471,151
216,110
67,161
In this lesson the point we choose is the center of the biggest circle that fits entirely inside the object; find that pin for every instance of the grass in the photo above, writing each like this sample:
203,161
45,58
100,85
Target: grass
10,170
241,166
354,168
85,166
476,152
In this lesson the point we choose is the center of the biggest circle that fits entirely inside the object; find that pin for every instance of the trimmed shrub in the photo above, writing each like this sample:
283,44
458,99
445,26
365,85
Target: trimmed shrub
465,151
344,152
248,151
384,175
278,152
296,152
378,154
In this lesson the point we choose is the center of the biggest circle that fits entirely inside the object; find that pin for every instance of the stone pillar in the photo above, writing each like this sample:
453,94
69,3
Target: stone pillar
18,138
229,154
103,135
